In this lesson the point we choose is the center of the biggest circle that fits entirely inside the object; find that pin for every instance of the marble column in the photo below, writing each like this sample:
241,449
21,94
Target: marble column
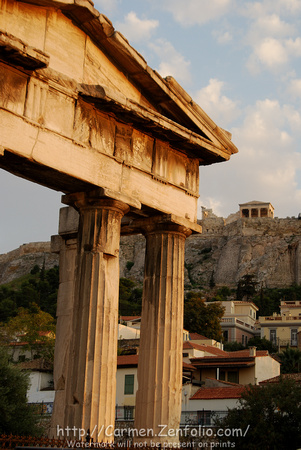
158,399
65,244
91,381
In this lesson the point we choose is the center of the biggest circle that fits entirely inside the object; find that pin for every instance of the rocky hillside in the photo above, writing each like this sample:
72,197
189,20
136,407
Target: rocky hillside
269,249
19,262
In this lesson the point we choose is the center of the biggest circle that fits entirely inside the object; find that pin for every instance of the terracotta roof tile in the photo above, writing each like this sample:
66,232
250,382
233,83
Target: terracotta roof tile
205,348
127,360
291,376
188,366
197,337
246,353
206,393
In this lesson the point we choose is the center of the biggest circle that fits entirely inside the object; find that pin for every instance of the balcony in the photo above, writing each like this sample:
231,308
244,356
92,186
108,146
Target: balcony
263,319
234,321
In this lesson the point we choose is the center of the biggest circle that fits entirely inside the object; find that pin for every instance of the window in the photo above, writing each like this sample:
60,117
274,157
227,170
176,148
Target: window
232,376
129,384
294,342
204,417
229,375
222,375
273,336
185,355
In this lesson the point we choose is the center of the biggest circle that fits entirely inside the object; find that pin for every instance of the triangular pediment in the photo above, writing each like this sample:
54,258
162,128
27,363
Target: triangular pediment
145,88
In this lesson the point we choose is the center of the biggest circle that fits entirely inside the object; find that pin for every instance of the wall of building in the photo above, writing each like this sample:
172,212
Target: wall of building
212,404
41,387
266,368
121,398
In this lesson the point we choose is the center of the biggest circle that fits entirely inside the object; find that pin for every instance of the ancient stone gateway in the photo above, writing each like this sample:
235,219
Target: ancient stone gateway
82,113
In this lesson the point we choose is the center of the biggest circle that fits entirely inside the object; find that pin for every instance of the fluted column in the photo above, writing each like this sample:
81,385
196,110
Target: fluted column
158,399
91,381
65,244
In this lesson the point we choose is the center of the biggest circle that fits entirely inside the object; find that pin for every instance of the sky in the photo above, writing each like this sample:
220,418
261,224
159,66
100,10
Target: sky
241,62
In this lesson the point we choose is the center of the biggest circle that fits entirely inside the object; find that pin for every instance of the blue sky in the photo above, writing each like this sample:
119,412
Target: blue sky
241,61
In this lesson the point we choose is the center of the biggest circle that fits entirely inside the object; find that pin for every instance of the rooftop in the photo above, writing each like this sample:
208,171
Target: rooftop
210,393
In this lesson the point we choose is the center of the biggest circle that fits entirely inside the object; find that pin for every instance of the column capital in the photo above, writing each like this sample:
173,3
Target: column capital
168,223
93,199
166,228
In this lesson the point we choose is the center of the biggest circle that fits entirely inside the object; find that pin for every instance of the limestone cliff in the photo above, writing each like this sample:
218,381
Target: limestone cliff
269,249
19,262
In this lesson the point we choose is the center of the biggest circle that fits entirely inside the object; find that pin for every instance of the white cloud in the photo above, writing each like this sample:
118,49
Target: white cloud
294,47
294,88
274,54
220,108
269,152
268,163
209,203
193,12
271,53
172,62
272,25
261,8
223,37
271,30
135,29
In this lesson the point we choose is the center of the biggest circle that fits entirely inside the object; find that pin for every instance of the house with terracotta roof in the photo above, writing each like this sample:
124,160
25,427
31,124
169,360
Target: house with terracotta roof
249,366
207,371
210,401
131,321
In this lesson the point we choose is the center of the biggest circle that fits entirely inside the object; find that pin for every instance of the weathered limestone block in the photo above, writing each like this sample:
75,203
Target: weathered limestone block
12,89
20,21
72,42
99,70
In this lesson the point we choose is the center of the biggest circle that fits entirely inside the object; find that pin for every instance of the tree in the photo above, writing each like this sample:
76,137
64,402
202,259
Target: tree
130,297
16,415
35,327
201,318
246,287
262,344
290,360
268,416
233,346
